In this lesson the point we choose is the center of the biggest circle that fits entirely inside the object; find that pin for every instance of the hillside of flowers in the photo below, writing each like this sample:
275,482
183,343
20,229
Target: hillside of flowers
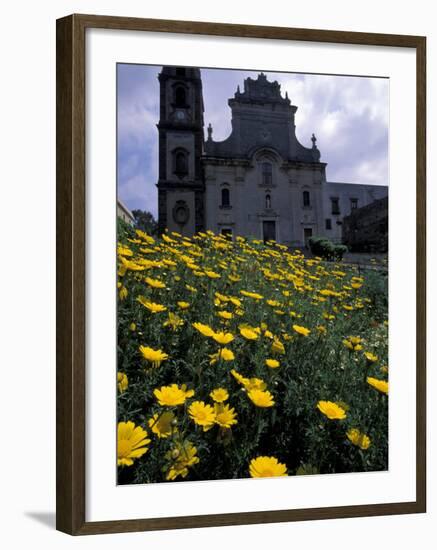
244,359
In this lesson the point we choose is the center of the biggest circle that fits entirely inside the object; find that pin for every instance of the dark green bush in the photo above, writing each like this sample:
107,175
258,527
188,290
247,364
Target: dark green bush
324,248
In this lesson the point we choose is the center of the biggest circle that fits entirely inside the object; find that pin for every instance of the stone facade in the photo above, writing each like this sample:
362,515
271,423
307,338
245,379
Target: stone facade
259,182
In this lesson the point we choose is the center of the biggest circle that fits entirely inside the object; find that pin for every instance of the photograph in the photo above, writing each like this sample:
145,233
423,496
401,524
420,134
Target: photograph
252,274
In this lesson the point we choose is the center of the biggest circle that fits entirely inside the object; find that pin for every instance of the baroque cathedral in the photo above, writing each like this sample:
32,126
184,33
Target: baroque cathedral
259,182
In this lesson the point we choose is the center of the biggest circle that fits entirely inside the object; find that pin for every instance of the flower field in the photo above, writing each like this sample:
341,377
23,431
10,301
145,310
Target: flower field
244,359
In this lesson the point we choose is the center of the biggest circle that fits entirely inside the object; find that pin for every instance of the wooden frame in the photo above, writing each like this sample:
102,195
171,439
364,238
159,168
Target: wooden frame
71,246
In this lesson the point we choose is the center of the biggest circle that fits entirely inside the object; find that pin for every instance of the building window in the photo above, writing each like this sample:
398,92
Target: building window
268,201
328,224
180,97
226,197
181,163
227,233
306,199
354,204
180,71
266,173
335,206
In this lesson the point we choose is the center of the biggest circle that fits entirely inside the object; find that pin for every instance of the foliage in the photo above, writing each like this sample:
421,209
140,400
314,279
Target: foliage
326,249
287,343
145,221
124,230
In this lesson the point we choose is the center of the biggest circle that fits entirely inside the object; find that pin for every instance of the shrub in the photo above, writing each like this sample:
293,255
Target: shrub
326,249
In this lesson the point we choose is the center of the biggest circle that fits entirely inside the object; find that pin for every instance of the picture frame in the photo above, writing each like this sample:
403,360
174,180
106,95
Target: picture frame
71,203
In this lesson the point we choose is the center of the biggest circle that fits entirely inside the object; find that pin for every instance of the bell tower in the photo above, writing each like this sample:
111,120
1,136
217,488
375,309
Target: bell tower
181,144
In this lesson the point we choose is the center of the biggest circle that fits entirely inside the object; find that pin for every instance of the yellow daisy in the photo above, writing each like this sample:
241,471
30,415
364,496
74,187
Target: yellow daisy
155,357
248,333
272,363
172,395
122,381
225,417
266,466
301,330
202,414
205,330
151,306
162,424
223,338
359,439
131,443
219,395
261,398
224,353
154,283
380,385
331,410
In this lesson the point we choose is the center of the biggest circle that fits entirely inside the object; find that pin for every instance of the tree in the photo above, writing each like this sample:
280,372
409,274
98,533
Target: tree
145,221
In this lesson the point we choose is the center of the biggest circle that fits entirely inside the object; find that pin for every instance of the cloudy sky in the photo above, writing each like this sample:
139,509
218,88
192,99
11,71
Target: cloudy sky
349,116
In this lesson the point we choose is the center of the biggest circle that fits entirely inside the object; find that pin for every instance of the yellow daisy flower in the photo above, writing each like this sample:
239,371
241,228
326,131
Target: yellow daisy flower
278,347
248,333
131,443
224,353
122,382
225,315
239,377
301,330
173,395
205,330
219,395
173,321
266,466
380,385
154,283
123,292
359,439
151,306
223,338
212,274
161,424
253,295
353,343
181,457
331,410
261,398
371,358
225,417
272,363
155,357
202,414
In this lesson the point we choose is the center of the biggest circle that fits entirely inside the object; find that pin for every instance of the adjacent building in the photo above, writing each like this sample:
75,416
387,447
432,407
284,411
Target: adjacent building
366,228
260,181
124,213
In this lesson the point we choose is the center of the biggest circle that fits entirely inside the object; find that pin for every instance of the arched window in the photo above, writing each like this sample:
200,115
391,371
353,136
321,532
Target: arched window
226,198
181,163
266,173
268,201
180,96
306,198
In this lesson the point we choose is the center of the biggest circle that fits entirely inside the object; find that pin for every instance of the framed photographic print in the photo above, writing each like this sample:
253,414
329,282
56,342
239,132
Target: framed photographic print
241,274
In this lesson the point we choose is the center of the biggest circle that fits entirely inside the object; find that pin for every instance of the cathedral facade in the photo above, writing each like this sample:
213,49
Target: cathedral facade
259,182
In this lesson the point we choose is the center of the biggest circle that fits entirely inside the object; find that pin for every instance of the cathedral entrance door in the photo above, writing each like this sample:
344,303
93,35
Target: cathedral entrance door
269,230
307,234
